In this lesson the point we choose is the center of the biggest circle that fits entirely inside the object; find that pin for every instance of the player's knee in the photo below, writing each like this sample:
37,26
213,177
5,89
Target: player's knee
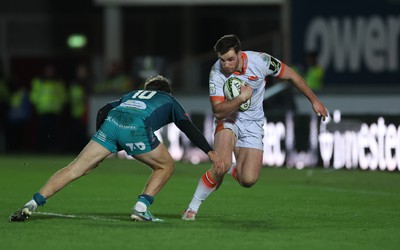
248,182
168,169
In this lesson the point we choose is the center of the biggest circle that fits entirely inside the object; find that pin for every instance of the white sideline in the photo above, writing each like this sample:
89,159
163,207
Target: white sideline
77,216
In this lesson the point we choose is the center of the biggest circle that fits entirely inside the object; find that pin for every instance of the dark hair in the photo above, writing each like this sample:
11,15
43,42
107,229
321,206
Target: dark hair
159,83
227,42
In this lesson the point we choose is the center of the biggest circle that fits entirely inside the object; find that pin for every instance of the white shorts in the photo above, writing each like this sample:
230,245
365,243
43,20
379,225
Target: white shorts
249,134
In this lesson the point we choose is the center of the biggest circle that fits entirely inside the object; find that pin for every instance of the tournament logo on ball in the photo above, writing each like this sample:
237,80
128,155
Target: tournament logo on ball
232,90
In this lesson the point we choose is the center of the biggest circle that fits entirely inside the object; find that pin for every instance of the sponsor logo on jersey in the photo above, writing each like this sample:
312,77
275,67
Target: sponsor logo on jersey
275,65
133,104
213,90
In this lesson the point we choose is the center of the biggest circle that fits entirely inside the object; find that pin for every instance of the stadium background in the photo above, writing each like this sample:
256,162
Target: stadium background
358,47
331,203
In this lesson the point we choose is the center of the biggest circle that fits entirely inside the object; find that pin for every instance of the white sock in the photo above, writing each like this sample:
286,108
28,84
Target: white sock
140,207
202,192
32,203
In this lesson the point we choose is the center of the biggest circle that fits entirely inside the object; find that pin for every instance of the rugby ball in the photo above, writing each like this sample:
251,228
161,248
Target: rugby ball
232,90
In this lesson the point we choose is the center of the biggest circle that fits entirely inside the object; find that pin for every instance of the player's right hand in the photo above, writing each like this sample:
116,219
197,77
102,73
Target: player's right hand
246,92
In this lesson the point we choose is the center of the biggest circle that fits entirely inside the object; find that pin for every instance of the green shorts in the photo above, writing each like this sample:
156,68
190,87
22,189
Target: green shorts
126,131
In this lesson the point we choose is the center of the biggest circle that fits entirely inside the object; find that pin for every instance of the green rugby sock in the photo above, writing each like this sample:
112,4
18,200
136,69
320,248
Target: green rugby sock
39,199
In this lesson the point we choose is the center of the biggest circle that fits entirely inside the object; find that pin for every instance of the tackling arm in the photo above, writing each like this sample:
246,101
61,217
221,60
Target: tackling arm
194,135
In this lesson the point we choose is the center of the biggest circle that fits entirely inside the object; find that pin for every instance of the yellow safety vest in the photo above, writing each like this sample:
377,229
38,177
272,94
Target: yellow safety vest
48,96
314,77
77,101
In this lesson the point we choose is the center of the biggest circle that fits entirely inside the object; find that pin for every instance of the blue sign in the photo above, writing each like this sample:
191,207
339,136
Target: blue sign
357,42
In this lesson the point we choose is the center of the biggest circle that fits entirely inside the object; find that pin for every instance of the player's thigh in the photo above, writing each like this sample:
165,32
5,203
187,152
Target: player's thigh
158,158
249,163
224,144
91,155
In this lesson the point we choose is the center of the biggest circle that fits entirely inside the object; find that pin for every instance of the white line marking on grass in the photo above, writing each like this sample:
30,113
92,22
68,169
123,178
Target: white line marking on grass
77,216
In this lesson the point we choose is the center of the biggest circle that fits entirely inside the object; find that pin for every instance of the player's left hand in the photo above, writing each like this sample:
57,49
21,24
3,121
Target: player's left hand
320,109
217,160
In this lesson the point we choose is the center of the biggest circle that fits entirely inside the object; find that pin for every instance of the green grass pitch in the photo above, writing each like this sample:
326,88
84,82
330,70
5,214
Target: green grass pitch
287,209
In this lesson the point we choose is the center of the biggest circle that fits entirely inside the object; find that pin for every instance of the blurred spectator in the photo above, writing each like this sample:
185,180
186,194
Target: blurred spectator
311,71
79,90
314,74
116,81
48,96
19,115
4,103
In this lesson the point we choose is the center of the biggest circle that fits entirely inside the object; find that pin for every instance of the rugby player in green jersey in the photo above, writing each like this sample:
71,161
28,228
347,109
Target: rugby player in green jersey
129,124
